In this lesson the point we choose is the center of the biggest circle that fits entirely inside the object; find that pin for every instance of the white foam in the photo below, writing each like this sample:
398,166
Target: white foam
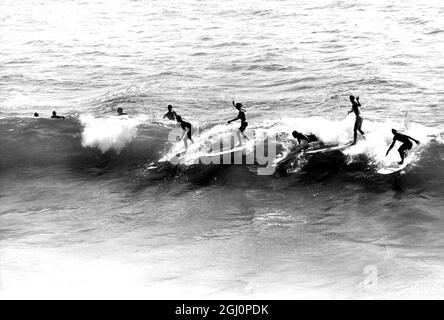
109,133
378,135
331,132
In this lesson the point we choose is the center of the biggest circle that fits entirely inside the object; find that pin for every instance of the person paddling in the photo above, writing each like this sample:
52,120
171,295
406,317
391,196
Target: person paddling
358,122
244,123
55,116
406,144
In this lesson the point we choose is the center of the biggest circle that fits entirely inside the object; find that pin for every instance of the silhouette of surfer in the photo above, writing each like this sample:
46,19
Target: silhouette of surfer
358,122
304,141
406,144
171,115
244,123
55,116
186,127
36,114
120,112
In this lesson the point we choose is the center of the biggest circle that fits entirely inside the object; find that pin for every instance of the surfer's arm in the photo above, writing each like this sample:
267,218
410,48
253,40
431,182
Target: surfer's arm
350,110
416,141
229,121
391,146
357,101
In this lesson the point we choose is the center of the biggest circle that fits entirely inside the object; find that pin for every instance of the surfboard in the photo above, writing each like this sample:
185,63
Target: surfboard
395,167
330,149
178,155
224,151
285,158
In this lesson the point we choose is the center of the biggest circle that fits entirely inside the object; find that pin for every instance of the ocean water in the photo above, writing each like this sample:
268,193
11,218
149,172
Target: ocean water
87,210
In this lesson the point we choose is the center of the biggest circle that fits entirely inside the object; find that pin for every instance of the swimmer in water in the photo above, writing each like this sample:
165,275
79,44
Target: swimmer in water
120,112
171,115
55,116
36,114
244,123
186,127
358,122
406,144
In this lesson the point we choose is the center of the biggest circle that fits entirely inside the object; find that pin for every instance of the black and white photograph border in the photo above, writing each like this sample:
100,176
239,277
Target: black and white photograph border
241,150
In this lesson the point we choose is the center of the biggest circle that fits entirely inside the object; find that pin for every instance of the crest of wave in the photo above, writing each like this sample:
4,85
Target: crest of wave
209,140
109,133
378,134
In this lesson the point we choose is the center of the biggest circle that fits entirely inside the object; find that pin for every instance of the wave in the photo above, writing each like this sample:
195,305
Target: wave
111,133
136,143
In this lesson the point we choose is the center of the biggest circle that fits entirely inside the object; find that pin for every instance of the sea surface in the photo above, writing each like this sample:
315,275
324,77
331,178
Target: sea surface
89,209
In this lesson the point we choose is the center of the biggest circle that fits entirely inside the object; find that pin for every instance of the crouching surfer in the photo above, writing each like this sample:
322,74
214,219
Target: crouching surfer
406,144
186,127
304,141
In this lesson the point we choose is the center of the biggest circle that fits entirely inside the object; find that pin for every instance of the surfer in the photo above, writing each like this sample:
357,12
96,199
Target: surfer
171,115
406,144
303,143
358,122
244,123
303,139
186,127
36,114
120,112
55,116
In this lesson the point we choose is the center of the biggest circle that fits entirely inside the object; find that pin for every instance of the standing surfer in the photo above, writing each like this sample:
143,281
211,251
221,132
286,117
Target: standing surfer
186,127
358,122
406,144
242,118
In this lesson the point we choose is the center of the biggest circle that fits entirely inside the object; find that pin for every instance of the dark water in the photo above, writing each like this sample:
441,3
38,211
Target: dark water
83,214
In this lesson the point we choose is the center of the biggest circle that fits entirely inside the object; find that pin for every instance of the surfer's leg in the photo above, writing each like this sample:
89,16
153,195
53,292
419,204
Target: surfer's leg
242,129
185,141
360,125
238,133
401,151
355,131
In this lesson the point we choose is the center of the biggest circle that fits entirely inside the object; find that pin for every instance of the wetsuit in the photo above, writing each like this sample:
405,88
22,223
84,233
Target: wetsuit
185,125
